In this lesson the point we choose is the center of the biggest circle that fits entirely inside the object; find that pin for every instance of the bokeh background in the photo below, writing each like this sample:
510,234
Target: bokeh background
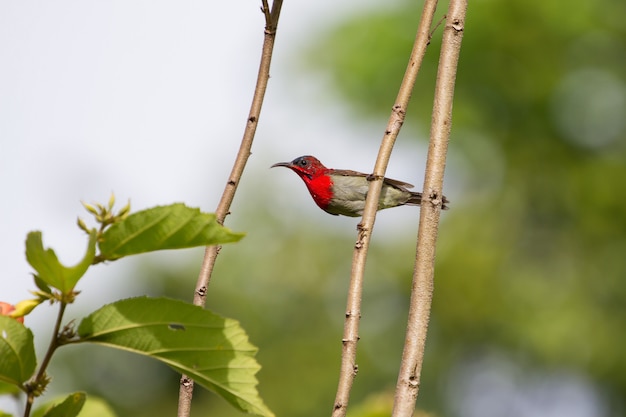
148,99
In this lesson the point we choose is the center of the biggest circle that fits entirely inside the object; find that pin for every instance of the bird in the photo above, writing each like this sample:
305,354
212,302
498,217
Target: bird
343,192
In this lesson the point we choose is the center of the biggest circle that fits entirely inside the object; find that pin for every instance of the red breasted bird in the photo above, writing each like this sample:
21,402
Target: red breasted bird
339,191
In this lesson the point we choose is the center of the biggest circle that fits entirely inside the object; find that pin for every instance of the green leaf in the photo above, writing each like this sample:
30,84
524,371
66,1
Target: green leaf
17,352
50,270
70,407
212,350
3,414
165,227
43,287
93,407
96,407
8,389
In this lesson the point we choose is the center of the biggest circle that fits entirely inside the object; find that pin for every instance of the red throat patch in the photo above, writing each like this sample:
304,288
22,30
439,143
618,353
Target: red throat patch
321,189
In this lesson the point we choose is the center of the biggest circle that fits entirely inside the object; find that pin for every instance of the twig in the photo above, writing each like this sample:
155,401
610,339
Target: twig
353,311
422,290
210,255
432,32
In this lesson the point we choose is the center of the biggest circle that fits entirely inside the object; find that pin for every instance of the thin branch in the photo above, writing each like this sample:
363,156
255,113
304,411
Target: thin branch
432,32
353,311
423,278
39,381
204,277
265,9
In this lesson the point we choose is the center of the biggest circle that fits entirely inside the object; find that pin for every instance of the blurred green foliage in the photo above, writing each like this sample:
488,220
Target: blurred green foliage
531,258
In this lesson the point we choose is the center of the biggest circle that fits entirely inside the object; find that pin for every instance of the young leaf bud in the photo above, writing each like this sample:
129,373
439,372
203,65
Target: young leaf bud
82,225
124,211
25,307
111,201
89,208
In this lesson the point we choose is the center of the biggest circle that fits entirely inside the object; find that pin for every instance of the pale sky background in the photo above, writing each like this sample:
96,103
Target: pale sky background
149,99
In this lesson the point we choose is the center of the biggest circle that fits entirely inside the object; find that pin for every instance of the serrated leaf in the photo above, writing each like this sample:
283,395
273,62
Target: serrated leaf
165,227
48,267
211,349
17,352
70,407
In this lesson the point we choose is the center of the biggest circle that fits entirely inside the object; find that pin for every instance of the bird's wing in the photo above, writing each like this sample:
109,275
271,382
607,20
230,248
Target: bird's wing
348,173
389,181
397,183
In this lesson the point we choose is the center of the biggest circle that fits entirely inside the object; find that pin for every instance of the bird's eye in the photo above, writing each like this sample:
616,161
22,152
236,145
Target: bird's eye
303,162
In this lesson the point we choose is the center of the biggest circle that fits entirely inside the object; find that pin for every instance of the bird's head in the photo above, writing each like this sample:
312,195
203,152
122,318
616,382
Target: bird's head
307,167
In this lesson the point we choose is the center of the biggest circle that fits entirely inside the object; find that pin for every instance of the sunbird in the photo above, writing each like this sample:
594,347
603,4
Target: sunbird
340,191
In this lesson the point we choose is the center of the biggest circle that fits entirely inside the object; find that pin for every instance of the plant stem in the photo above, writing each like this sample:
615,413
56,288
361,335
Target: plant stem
54,344
210,255
407,387
353,311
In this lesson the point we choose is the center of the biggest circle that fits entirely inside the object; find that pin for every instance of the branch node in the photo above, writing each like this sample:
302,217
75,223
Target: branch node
437,201
201,291
349,313
186,381
399,110
362,230
457,25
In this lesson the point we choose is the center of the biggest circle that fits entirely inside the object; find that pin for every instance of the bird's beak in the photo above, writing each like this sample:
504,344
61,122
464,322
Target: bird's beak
282,164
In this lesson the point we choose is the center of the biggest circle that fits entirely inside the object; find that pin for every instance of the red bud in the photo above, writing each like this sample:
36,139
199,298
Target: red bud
6,309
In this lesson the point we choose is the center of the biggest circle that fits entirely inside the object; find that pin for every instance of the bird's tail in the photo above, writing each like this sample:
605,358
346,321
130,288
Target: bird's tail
416,199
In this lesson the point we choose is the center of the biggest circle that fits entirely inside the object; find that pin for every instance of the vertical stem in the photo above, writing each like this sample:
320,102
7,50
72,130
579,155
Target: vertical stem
210,255
422,290
228,195
350,338
52,347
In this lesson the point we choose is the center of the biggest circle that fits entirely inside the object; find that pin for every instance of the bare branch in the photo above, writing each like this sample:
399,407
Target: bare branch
204,277
353,309
422,290
265,8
